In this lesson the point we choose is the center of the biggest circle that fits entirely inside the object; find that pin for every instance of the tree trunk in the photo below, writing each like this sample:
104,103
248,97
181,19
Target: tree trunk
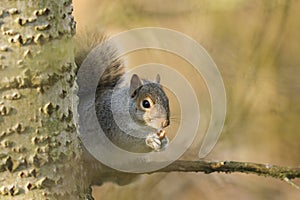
40,151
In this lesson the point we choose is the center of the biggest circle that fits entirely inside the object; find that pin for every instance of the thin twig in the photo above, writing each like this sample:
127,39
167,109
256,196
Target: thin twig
291,183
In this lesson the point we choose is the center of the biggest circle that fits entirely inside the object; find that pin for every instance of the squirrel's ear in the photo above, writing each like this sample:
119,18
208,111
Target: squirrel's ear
157,79
135,83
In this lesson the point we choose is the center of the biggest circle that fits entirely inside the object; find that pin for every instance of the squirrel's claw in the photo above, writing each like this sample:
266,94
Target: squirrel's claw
155,143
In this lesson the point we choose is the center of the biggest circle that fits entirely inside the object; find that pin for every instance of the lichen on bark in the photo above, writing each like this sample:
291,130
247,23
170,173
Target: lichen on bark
39,148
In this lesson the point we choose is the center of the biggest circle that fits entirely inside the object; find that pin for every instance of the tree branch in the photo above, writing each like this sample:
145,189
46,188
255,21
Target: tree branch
100,173
266,170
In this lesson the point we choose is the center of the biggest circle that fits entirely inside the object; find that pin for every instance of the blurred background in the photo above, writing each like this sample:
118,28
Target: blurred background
256,46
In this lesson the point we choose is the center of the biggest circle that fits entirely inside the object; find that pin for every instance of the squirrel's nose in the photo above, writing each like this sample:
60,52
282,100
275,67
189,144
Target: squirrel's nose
165,123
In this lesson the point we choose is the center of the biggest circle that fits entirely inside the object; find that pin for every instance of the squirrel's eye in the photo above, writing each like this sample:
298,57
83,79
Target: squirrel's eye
146,104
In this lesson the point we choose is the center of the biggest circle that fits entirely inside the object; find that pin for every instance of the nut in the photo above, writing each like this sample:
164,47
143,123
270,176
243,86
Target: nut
161,134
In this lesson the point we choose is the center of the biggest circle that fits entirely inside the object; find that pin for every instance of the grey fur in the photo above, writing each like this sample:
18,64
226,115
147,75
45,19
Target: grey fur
118,112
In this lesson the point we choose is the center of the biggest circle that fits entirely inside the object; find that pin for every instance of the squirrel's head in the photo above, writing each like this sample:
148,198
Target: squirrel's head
149,103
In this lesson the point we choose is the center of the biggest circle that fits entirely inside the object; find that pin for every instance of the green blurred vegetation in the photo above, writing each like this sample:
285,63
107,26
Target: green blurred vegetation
256,45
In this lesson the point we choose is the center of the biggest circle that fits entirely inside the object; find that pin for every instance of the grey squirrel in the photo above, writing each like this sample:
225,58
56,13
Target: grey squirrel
130,115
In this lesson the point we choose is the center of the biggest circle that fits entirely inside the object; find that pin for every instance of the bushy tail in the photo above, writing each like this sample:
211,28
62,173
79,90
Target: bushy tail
85,42
114,70
93,49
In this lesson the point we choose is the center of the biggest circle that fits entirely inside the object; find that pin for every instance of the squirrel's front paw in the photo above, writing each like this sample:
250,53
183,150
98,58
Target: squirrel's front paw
155,142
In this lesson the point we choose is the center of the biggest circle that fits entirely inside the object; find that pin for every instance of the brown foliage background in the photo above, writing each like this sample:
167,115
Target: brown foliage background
255,44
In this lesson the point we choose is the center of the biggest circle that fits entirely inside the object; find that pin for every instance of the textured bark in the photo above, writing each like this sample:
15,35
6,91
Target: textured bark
39,149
